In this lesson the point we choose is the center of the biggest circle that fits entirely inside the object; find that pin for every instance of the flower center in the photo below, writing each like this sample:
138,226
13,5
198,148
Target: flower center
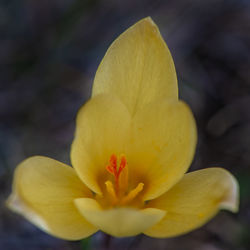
118,190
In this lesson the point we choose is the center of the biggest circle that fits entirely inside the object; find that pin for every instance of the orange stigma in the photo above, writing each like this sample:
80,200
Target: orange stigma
119,192
113,169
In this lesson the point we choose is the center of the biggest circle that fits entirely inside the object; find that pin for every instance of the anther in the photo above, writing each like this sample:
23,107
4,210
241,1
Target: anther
133,193
111,192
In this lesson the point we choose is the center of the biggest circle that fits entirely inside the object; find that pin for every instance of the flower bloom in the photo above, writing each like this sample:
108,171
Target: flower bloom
134,141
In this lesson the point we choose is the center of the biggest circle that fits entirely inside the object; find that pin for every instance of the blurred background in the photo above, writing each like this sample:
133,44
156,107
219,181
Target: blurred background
49,52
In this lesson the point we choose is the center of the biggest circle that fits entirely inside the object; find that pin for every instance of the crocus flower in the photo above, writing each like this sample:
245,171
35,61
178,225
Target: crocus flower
133,144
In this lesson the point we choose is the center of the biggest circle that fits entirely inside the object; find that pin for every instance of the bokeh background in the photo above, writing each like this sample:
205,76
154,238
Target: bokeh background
49,52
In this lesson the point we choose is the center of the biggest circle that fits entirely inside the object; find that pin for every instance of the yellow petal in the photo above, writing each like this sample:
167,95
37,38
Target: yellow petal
119,222
101,130
137,67
162,146
44,191
195,200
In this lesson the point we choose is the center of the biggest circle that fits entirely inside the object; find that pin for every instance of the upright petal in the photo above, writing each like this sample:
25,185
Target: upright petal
195,200
162,145
137,67
101,130
44,191
119,222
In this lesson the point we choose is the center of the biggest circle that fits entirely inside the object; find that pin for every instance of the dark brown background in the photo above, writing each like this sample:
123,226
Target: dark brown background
49,51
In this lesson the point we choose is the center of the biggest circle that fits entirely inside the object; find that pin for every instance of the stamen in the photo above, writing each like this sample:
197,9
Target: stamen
111,191
123,182
133,193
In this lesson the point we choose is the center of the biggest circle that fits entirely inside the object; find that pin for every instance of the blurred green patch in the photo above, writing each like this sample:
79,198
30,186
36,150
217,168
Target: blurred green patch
244,239
244,182
86,244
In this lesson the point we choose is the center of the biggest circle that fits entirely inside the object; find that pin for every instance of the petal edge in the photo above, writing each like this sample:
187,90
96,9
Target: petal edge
137,67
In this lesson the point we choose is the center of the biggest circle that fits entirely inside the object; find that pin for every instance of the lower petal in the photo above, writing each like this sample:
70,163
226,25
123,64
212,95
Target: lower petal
44,191
119,222
195,200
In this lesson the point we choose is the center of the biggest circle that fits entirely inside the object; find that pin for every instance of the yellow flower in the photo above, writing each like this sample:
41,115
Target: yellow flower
134,141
